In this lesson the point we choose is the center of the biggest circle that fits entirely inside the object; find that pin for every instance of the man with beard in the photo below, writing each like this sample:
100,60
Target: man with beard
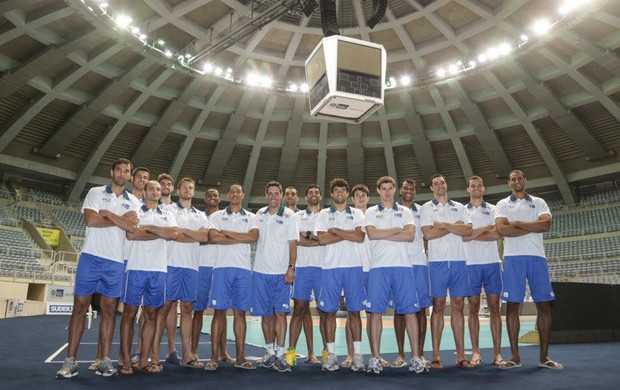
307,275
522,219
109,212
167,186
339,228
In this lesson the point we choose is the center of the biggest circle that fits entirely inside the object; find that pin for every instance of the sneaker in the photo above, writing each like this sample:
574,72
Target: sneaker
324,356
374,366
106,369
281,365
291,357
93,366
267,361
174,358
357,364
418,366
68,370
331,364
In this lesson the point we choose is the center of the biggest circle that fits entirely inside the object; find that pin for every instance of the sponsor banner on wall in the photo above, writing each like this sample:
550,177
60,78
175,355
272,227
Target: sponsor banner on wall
59,308
50,235
60,293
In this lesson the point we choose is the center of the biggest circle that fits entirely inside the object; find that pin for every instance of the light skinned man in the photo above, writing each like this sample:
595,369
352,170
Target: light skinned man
109,212
274,272
484,269
522,219
444,223
390,228
339,228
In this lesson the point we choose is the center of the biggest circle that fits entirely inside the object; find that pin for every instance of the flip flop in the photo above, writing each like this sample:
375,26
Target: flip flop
499,362
476,362
211,366
399,363
93,366
126,370
437,364
247,365
384,363
508,365
159,366
313,361
149,369
466,364
550,364
346,363
192,364
227,360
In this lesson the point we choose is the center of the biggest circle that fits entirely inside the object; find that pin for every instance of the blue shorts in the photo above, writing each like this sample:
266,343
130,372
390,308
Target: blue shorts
333,281
95,274
533,268
487,275
204,288
269,295
448,275
144,287
422,284
392,284
181,284
231,289
307,283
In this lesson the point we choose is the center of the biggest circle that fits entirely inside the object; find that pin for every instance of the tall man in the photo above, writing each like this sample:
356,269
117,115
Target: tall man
233,229
109,212
182,275
444,222
274,272
522,219
140,177
417,255
339,228
484,268
208,254
390,228
307,274
145,277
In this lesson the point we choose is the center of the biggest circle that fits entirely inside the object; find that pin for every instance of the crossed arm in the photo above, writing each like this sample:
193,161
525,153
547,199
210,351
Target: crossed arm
189,235
150,232
440,229
334,235
105,218
404,234
521,228
227,237
483,233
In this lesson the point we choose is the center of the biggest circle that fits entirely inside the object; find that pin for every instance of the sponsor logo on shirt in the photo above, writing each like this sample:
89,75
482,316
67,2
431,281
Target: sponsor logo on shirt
224,219
486,213
379,216
245,220
280,222
532,206
350,217
398,215
454,209
126,206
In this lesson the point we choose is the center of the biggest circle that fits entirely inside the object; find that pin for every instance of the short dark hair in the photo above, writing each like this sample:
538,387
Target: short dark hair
517,171
273,183
408,181
430,182
120,161
164,176
311,186
338,182
385,179
140,169
292,188
474,177
229,188
360,187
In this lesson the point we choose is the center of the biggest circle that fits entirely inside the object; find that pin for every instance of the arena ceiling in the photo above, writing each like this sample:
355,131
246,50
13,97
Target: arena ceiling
78,91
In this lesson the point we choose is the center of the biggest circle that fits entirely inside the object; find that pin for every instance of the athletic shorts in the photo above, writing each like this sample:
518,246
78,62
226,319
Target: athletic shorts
333,281
144,287
420,274
533,268
181,284
447,276
487,275
204,288
95,274
394,284
269,295
307,283
231,289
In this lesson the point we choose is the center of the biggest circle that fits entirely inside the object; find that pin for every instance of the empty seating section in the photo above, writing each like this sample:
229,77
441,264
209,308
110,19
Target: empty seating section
5,218
71,221
31,214
555,204
596,248
77,243
566,269
45,197
585,222
608,196
4,191
16,252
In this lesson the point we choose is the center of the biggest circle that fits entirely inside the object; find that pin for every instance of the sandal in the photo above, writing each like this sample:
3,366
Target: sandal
94,365
149,369
211,366
247,365
466,364
509,364
346,363
313,360
159,366
476,362
437,364
192,364
227,360
499,362
399,363
126,370
384,363
551,364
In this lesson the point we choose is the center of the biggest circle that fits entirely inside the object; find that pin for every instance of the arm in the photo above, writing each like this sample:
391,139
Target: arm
218,238
141,234
244,238
326,238
165,232
505,229
128,221
431,232
312,241
406,234
356,235
289,277
458,228
94,219
381,234
485,233
542,225
200,235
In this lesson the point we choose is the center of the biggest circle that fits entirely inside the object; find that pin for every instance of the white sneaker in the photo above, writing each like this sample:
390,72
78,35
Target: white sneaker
418,366
68,370
331,364
357,363
106,369
374,366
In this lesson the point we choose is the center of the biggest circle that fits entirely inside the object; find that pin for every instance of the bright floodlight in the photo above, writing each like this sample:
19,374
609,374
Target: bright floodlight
472,64
482,58
293,88
405,80
208,68
168,53
541,26
504,48
454,69
218,71
304,87
123,21
441,72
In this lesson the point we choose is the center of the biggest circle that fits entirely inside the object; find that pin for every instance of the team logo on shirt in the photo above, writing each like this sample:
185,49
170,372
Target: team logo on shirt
126,206
453,209
165,218
280,222
398,215
224,219
350,217
245,220
379,216
486,213
532,206
106,200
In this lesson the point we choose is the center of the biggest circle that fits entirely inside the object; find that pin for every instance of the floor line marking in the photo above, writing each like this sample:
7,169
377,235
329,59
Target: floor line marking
52,356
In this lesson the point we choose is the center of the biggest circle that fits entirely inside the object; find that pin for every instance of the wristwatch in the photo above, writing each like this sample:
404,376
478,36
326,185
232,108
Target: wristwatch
308,234
291,266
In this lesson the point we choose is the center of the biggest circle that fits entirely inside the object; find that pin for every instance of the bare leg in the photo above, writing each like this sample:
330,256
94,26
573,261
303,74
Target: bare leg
239,325
308,331
412,332
543,324
129,316
376,325
496,326
76,323
457,320
187,308
280,328
197,321
171,328
224,356
160,326
399,331
297,318
106,327
147,335
474,326
217,328
421,318
437,324
269,330
513,324
330,327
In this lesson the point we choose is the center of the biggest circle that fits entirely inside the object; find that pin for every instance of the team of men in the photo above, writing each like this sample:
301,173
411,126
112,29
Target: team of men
151,252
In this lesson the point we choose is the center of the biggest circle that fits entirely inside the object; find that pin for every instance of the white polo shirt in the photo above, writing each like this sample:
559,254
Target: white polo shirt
186,254
386,253
450,246
107,242
481,252
150,255
274,233
343,254
235,255
208,252
525,210
416,251
308,256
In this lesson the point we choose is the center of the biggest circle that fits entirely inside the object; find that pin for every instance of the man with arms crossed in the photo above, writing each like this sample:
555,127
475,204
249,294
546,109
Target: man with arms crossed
390,228
274,272
233,229
145,277
307,274
444,223
109,212
522,219
339,228
484,269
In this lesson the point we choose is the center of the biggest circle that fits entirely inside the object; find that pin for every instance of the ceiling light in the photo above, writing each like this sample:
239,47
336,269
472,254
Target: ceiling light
541,26
441,72
293,88
504,49
482,58
492,53
405,80
218,71
161,42
304,87
266,81
168,53
123,21
472,64
208,68
454,69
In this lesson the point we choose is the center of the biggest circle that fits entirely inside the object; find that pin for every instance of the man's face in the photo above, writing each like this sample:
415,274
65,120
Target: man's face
386,192
186,190
140,179
121,174
517,182
273,196
212,198
407,192
475,189
340,195
314,197
166,187
439,186
290,197
235,195
360,199
153,191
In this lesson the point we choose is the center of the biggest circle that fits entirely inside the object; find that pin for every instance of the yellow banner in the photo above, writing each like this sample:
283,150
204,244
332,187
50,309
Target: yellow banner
50,235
